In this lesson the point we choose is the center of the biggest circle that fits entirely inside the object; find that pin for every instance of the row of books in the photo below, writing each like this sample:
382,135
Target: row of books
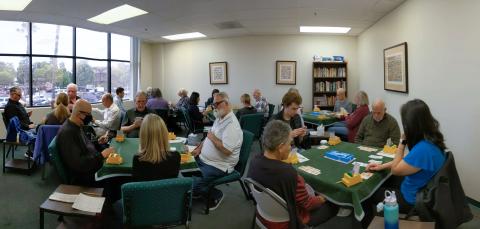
329,72
323,101
328,86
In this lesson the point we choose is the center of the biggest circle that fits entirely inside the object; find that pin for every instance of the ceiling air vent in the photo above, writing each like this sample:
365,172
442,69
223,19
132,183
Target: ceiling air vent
229,25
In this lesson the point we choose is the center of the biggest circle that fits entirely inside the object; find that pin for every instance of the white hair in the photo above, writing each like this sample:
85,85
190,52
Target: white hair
70,85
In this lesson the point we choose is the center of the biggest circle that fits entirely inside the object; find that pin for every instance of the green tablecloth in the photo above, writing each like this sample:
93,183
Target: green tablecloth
308,117
332,172
127,149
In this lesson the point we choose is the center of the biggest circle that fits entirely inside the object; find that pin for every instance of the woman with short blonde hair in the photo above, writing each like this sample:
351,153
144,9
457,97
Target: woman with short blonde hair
60,112
154,161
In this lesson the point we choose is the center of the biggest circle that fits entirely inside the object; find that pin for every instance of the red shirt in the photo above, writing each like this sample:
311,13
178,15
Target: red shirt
354,119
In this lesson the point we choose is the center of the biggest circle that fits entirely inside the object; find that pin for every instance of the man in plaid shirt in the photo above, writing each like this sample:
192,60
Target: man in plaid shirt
260,102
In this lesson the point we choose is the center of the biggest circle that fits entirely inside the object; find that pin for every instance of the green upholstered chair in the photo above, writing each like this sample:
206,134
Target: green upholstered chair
237,174
253,123
58,163
165,202
271,108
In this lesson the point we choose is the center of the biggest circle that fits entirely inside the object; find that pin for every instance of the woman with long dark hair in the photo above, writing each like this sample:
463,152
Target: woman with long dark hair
426,144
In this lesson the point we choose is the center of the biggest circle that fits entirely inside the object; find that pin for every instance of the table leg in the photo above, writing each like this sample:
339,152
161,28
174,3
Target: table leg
41,219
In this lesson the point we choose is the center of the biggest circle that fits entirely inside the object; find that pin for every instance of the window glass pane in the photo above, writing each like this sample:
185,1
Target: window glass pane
120,47
14,71
50,76
91,44
122,77
91,79
51,39
14,38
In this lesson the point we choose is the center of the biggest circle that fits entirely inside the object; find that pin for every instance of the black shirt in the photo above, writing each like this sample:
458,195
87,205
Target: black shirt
51,119
130,119
295,122
78,153
146,171
245,111
195,116
14,108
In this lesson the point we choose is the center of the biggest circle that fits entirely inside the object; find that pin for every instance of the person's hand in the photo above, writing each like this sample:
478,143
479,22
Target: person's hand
30,113
103,139
31,126
196,151
106,152
138,122
374,167
211,136
298,132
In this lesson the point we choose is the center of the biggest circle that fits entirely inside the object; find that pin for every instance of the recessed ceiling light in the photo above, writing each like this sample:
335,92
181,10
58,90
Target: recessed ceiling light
323,29
117,14
183,36
14,5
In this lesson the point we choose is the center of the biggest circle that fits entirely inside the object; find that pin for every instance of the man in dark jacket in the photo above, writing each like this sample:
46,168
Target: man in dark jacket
78,153
15,108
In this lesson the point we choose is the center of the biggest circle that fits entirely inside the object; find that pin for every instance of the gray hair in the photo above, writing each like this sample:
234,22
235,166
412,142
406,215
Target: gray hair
183,92
275,133
140,93
108,96
362,98
292,89
341,90
72,85
223,95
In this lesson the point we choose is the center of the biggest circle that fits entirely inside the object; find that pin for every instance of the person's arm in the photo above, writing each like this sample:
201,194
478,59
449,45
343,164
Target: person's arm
303,199
354,119
218,144
76,156
130,125
107,123
361,132
398,166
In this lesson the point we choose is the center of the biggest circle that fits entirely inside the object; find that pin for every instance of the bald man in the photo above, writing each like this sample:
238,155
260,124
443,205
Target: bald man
111,116
79,155
377,127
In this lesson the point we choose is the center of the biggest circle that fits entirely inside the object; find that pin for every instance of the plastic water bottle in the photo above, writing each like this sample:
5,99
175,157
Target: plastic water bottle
320,130
390,210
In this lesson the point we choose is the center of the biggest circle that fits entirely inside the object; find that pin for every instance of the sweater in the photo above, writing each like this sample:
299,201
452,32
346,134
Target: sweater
373,133
146,171
354,119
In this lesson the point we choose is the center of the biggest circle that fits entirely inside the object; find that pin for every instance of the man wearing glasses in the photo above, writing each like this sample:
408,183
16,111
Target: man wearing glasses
79,154
15,108
218,154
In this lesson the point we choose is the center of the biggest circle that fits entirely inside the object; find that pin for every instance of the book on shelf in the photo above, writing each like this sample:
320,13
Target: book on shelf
329,72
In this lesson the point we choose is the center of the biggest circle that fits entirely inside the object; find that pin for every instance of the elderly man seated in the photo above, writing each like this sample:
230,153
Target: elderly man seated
111,116
134,116
79,154
219,152
377,127
72,90
15,108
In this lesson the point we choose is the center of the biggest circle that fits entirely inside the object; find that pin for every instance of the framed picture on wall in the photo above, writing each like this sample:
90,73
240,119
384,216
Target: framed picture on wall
218,73
395,62
286,72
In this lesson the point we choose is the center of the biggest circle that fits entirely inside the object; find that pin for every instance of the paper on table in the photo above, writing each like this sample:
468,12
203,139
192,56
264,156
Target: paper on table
62,197
389,155
301,158
89,203
191,148
322,147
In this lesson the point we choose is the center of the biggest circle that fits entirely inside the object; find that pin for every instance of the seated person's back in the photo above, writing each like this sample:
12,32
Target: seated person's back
247,107
157,101
60,112
154,161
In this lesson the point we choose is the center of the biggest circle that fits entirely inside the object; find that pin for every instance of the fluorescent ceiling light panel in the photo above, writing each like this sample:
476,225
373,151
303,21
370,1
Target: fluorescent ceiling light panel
184,36
322,29
117,14
14,5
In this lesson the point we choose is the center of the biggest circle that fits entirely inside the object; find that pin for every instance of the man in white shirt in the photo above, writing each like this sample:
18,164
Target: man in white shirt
111,116
219,152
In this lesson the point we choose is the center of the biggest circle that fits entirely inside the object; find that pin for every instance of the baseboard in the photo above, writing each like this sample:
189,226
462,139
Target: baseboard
473,202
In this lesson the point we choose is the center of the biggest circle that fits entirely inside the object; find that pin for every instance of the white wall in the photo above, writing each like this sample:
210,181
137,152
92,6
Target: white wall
146,59
443,67
251,64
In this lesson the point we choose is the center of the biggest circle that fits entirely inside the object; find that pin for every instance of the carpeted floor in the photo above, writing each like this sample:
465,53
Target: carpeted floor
21,196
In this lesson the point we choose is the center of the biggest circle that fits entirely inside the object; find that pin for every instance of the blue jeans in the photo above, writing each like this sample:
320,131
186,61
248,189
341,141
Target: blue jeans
340,128
209,174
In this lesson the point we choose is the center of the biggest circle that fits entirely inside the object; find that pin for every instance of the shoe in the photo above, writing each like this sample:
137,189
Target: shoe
344,212
215,203
196,196
28,155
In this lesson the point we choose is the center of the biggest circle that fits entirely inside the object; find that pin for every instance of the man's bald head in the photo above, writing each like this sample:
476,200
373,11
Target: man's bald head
378,110
81,106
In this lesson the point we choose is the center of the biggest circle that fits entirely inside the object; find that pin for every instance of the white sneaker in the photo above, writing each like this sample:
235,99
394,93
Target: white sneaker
344,212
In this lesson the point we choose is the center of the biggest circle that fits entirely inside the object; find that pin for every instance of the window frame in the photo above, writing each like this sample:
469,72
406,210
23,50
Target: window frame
73,58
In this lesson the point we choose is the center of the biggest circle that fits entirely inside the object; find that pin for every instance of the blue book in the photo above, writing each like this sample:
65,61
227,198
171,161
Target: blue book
342,157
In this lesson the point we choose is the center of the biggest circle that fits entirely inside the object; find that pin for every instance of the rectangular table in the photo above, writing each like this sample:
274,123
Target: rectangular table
327,183
127,150
312,118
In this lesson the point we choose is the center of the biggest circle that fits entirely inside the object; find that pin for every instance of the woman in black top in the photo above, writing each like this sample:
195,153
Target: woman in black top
210,100
60,112
154,161
195,115
291,103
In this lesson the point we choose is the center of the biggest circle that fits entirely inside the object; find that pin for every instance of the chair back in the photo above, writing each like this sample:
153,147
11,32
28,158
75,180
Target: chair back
271,108
188,121
244,152
45,135
122,119
10,128
252,123
160,202
269,205
163,113
57,162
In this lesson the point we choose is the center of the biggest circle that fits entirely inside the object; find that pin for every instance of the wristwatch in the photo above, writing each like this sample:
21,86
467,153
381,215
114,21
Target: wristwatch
404,142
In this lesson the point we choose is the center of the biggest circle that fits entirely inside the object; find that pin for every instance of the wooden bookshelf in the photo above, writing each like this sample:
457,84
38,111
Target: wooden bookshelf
327,78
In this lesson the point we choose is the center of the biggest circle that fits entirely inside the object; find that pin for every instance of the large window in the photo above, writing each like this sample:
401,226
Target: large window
56,58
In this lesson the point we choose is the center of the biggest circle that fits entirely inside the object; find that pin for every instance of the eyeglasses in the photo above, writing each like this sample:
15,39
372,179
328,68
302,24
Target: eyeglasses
215,104
85,113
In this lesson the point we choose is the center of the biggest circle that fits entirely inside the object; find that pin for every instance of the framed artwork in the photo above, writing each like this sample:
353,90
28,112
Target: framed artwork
395,62
286,72
218,73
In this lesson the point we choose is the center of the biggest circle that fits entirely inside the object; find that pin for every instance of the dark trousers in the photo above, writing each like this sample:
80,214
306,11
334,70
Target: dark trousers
209,174
369,205
322,214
